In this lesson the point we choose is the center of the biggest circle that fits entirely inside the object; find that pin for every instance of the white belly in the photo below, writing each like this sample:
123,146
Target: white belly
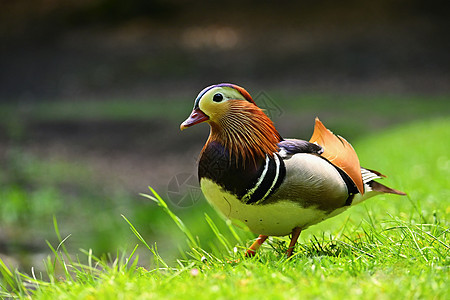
275,219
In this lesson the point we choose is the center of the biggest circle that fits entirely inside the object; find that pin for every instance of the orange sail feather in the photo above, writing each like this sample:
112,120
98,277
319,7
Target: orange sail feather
339,152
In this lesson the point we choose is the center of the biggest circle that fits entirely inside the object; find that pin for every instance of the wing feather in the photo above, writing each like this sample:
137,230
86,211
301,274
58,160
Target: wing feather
339,152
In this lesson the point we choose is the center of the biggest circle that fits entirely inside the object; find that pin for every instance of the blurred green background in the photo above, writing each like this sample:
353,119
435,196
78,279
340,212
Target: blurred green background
92,94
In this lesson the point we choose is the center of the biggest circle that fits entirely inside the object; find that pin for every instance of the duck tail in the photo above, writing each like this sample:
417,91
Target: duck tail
378,187
369,177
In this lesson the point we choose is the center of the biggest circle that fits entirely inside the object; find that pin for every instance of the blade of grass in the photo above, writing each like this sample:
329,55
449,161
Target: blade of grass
216,231
139,236
8,277
156,198
61,241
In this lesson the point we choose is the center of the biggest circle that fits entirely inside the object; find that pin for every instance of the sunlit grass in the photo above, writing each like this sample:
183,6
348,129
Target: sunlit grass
390,247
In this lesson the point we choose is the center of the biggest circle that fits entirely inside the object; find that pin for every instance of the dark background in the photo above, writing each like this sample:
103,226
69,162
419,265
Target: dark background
78,49
92,94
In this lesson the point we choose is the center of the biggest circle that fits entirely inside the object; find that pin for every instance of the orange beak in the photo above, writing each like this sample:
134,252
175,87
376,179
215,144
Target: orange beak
196,117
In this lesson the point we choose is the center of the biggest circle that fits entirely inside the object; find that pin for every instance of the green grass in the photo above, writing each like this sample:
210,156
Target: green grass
389,247
33,190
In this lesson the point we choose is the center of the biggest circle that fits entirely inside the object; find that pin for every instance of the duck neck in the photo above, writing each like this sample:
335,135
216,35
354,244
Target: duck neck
246,133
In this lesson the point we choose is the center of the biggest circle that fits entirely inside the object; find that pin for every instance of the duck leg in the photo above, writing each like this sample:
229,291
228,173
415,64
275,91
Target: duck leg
295,234
255,246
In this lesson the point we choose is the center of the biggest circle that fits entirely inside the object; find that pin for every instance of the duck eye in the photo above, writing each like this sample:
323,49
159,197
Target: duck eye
218,97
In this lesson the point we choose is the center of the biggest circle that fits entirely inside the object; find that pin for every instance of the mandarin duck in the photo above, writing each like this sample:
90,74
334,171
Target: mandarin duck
275,186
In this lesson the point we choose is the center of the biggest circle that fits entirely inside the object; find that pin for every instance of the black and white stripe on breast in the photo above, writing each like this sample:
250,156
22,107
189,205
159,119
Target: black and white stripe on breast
269,180
251,181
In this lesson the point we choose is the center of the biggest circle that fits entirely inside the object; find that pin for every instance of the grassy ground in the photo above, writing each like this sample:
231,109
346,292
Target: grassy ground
389,247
